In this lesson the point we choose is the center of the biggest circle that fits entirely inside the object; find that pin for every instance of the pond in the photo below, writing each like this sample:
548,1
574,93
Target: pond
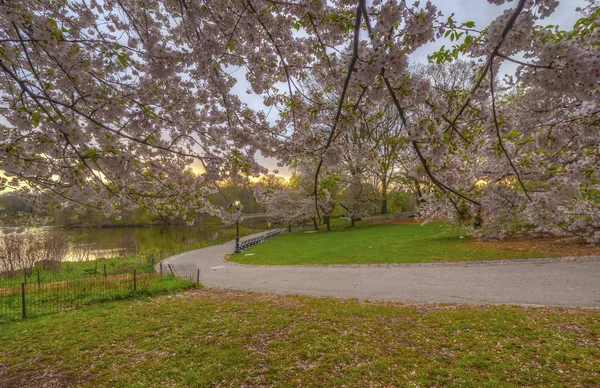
91,243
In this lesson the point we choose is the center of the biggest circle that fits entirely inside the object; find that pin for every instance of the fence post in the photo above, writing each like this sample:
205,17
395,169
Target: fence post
23,299
161,271
38,273
105,271
134,281
198,276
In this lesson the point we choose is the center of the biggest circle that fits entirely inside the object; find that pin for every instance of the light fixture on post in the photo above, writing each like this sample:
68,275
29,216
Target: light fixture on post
237,230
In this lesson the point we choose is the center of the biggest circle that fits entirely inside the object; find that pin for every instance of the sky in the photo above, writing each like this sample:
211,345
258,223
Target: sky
479,11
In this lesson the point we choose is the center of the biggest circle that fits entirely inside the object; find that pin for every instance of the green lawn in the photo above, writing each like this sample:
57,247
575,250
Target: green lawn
375,243
209,338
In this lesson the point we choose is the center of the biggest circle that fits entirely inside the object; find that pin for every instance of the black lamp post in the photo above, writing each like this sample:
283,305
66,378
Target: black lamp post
237,232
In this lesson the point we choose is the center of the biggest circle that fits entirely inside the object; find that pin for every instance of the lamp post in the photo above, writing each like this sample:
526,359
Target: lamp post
237,231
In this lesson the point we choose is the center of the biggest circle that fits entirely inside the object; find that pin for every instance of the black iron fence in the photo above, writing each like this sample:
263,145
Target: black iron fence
41,291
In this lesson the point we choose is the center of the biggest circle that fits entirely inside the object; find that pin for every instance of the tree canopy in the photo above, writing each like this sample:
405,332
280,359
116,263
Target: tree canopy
109,103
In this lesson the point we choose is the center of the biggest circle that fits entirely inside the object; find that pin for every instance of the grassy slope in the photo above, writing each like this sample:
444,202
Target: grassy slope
375,243
209,338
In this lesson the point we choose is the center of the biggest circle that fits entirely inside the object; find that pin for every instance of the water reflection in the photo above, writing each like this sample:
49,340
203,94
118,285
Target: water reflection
91,243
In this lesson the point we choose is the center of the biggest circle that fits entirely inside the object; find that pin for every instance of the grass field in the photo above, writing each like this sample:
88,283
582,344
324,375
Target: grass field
381,243
210,338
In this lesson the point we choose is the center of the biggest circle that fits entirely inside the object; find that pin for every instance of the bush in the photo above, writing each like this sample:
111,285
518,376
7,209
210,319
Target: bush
22,250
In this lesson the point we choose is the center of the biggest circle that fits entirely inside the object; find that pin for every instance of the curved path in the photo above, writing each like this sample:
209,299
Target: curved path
557,283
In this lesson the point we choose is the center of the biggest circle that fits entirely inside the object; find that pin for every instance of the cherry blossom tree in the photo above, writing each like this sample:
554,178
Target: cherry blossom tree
391,145
108,104
329,192
529,154
289,206
360,198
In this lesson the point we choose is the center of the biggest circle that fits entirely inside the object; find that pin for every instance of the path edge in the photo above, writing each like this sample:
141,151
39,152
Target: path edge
548,260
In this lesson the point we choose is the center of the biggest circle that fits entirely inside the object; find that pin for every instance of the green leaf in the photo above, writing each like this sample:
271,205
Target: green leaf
236,158
56,32
122,57
446,138
92,154
53,23
296,24
36,118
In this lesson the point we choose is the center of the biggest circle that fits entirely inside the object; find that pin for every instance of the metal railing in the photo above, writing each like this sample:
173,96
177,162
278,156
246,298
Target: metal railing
260,239
257,240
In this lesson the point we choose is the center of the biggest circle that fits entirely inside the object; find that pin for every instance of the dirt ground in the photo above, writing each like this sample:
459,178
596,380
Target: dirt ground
553,247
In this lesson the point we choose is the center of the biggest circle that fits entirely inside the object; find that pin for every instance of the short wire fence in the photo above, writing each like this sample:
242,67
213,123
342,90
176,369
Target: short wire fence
41,290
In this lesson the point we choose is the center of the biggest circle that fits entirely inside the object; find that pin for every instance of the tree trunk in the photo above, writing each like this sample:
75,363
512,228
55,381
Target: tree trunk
326,219
419,194
351,222
384,189
315,223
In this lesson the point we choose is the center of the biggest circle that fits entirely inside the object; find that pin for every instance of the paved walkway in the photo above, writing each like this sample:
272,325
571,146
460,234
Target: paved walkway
568,283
